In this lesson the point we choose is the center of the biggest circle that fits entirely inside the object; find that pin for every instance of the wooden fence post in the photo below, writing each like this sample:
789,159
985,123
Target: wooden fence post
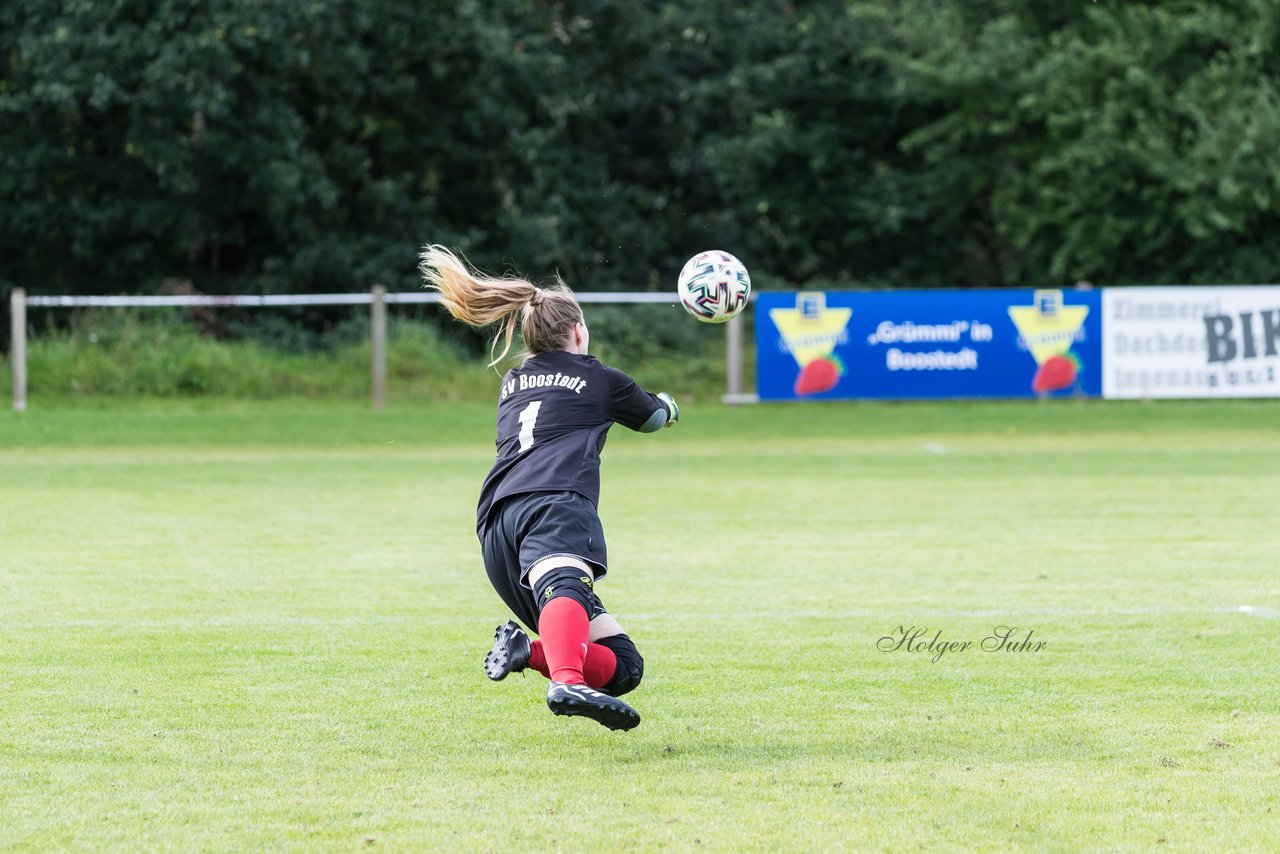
378,320
18,346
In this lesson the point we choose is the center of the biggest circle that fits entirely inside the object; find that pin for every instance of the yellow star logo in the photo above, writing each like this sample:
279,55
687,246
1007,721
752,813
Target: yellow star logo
811,330
1048,327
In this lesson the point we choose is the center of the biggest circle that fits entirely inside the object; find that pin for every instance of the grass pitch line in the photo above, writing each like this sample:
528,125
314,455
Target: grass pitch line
981,613
1265,613
883,614
232,622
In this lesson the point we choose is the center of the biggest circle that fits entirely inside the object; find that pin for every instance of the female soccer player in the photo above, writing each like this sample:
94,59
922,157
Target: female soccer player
540,535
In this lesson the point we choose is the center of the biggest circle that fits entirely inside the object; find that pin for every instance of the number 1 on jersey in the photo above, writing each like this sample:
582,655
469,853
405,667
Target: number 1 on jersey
528,417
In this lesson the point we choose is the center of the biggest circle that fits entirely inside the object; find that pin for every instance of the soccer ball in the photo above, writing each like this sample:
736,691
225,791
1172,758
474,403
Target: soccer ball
714,286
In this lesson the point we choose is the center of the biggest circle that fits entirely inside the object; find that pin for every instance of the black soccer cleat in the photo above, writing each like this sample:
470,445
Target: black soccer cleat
510,653
564,699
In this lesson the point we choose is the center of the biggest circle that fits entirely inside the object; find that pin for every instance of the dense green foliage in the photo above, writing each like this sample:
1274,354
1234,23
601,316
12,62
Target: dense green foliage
1118,142
314,146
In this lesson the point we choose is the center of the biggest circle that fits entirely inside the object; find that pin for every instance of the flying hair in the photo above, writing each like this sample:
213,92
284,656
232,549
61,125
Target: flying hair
546,316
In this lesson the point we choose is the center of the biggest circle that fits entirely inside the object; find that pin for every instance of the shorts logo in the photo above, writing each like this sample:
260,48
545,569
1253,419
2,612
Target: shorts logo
551,589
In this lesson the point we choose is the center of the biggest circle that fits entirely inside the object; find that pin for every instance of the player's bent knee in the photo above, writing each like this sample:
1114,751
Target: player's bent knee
630,668
603,625
568,582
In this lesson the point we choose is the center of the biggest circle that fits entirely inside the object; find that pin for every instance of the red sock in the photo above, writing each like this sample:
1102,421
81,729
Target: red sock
564,626
537,660
599,666
598,669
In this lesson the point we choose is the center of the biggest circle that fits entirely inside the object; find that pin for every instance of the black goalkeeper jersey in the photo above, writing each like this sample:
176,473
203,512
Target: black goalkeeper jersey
554,412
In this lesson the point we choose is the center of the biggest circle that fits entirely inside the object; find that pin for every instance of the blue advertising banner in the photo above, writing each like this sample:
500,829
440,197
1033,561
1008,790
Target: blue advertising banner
928,344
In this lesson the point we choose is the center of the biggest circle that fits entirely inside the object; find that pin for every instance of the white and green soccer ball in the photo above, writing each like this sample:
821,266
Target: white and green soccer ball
714,286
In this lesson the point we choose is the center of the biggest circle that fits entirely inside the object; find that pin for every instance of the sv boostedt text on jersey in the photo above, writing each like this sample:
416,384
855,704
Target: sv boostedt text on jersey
523,381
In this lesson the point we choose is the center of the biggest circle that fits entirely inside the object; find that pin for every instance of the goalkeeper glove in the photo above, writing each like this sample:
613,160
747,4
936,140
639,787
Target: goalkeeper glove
673,411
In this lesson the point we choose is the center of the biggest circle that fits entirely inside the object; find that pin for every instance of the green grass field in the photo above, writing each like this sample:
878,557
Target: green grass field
242,627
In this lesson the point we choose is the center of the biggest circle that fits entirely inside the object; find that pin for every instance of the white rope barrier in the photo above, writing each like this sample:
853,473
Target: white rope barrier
251,301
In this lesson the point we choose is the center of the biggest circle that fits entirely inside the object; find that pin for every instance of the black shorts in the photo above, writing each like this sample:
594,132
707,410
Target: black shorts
524,529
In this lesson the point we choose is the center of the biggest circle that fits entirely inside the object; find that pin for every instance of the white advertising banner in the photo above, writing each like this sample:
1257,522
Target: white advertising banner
1191,342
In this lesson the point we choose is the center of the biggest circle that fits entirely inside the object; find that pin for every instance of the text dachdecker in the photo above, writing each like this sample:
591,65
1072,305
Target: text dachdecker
525,381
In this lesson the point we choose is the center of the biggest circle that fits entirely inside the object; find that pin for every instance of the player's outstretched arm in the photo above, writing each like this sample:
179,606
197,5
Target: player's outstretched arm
637,409
666,415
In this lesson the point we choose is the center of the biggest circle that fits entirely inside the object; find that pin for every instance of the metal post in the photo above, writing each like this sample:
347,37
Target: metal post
378,321
734,394
18,347
733,356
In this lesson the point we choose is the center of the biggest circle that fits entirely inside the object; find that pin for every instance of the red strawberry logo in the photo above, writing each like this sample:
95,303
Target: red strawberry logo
1056,373
818,376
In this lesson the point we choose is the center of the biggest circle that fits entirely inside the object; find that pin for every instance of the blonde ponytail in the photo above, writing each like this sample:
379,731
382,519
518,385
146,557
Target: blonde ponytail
546,316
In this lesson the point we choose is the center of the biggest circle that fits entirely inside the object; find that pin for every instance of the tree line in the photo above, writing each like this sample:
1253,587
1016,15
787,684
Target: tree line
314,146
